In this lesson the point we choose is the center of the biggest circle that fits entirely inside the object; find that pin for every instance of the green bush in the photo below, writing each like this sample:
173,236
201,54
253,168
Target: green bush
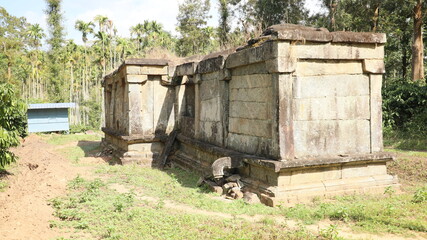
405,107
13,123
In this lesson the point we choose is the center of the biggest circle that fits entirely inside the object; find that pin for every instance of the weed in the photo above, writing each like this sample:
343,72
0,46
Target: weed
389,191
268,221
330,232
420,195
3,185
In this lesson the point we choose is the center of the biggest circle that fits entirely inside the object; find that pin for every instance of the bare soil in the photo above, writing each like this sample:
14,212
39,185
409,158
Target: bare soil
40,175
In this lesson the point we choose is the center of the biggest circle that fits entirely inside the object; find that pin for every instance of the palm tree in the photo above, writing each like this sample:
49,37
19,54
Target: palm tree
85,28
102,22
124,48
35,33
103,39
139,31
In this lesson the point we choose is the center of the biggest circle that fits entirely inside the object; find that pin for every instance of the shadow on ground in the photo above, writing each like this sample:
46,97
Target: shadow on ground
93,149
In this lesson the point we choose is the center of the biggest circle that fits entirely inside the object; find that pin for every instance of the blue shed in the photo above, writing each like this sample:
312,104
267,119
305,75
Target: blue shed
48,117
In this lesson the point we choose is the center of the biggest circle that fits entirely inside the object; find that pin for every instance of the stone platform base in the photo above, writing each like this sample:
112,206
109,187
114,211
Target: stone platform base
289,182
141,150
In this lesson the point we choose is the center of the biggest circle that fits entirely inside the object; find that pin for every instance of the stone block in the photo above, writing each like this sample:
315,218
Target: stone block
304,176
284,178
353,171
211,132
136,78
262,95
331,86
186,69
267,50
210,110
251,81
211,76
163,115
258,128
209,89
376,113
256,68
211,65
249,144
377,169
374,66
319,67
135,109
250,110
146,70
338,51
329,108
331,137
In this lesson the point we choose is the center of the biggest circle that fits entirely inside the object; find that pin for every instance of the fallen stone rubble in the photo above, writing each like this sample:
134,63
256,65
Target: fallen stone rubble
230,187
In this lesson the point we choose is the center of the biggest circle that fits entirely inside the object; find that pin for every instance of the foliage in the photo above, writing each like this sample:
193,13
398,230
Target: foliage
12,123
196,36
405,107
271,12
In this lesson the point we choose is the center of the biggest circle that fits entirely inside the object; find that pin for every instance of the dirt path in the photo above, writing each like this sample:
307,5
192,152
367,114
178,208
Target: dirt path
41,174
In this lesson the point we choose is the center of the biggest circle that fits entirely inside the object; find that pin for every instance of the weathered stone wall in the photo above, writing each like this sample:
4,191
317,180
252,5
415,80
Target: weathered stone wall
299,110
139,105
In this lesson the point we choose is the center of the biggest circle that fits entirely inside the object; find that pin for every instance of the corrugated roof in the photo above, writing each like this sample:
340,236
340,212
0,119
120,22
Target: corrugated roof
51,105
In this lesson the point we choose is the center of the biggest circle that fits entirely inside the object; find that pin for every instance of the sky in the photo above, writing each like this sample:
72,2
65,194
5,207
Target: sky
123,13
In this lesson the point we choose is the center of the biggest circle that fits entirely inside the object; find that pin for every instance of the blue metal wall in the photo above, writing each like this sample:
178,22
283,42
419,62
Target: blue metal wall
47,120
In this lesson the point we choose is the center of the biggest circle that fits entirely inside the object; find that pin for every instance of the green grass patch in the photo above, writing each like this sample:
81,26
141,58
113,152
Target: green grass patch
107,214
61,139
382,213
83,150
180,186
95,208
389,212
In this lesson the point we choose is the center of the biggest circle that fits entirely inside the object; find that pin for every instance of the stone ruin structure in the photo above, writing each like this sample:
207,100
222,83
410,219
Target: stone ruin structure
296,113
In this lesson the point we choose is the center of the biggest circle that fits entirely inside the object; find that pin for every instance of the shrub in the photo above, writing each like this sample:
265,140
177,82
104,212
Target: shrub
405,107
13,123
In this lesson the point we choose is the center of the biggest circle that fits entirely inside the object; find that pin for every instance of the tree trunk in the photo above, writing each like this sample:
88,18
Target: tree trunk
418,46
375,17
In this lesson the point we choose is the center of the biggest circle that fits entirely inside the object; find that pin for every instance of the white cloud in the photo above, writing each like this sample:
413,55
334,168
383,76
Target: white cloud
126,13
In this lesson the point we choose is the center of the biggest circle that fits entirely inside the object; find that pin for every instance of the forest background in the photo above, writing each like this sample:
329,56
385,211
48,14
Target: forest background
38,66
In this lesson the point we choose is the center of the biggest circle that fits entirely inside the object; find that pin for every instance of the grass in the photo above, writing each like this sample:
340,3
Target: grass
403,141
107,214
61,139
83,150
96,208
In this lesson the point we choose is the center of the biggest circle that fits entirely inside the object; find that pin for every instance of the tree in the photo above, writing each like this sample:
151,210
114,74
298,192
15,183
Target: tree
35,33
85,28
417,45
196,37
224,22
12,42
57,89
271,12
138,30
12,123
